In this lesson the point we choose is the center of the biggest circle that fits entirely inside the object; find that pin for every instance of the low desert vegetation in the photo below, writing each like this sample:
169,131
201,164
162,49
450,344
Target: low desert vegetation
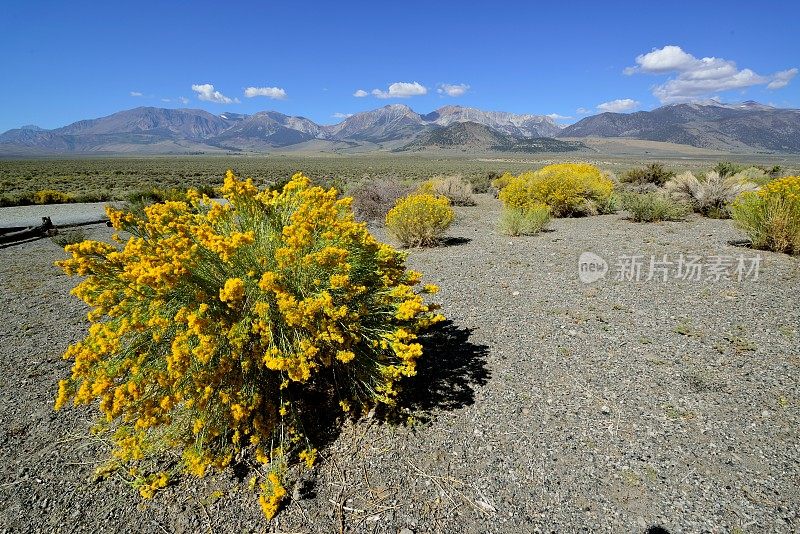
653,173
524,221
653,207
710,196
569,189
50,196
771,216
420,219
220,331
69,237
454,188
372,199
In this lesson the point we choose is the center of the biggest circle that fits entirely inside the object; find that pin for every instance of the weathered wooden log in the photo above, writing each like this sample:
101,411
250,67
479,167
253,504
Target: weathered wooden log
29,232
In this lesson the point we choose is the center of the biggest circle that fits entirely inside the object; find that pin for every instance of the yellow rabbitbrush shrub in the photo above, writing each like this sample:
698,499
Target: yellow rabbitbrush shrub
419,220
771,215
569,189
213,323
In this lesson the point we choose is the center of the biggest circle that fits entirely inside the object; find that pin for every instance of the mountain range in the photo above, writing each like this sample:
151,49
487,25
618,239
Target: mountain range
148,129
747,126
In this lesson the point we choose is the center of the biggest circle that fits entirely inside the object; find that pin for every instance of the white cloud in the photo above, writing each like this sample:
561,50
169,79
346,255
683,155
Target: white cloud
401,90
360,93
136,93
341,115
700,77
782,78
556,116
166,100
452,89
207,93
183,100
662,60
618,106
275,93
583,111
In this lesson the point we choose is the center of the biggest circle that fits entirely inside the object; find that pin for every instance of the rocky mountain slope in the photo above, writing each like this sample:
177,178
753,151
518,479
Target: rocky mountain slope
747,126
479,137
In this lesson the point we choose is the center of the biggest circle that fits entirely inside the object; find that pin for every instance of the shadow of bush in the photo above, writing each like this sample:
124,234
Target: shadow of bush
448,373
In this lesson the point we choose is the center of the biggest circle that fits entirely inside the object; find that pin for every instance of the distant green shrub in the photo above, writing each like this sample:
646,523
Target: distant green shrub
727,168
482,183
654,173
524,221
653,207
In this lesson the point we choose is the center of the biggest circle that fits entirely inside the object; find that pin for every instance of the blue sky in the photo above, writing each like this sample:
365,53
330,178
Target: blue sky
66,61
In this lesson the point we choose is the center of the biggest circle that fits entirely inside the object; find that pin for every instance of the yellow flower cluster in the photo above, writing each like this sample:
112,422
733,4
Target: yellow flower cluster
212,321
771,215
419,220
566,187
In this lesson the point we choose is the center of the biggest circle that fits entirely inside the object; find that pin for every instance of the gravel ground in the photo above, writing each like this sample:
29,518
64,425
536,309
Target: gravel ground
60,214
546,404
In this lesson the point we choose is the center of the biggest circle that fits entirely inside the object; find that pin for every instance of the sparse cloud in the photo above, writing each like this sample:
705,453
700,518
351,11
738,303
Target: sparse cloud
136,93
452,89
583,111
183,100
695,78
275,93
360,93
618,106
401,90
341,115
782,78
207,93
166,100
557,117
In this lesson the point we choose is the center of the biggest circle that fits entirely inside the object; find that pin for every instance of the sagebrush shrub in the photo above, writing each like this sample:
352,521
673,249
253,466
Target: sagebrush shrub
653,207
754,174
569,189
771,216
372,199
653,173
419,220
213,323
454,188
712,196
524,221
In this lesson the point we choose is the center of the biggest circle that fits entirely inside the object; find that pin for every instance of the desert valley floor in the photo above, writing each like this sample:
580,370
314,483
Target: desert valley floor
544,404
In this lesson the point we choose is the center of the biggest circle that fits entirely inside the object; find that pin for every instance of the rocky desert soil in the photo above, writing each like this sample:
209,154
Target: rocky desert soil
545,404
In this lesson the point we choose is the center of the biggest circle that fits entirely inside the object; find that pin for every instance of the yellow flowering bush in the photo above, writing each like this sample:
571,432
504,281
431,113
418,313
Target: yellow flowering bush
50,196
568,188
771,215
212,323
502,181
419,220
